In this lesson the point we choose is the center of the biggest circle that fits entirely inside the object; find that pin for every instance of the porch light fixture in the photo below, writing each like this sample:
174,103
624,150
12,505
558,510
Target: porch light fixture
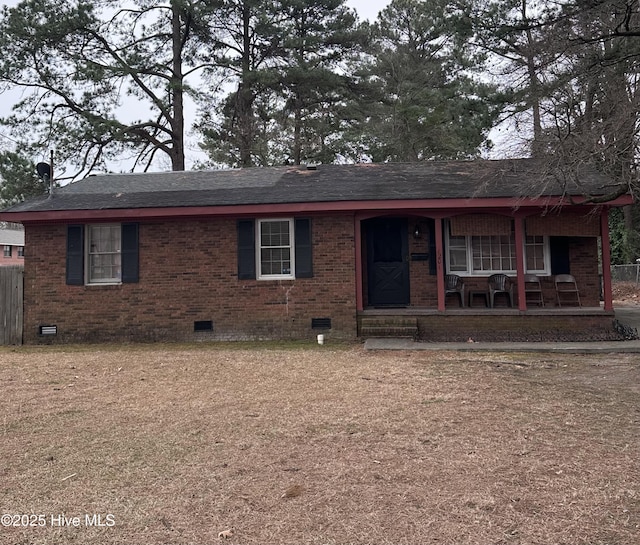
417,232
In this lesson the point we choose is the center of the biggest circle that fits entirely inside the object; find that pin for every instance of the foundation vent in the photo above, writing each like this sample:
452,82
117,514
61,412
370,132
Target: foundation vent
203,325
48,330
320,323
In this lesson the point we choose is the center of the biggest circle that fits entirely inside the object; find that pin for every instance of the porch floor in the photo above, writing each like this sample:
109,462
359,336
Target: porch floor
490,324
483,311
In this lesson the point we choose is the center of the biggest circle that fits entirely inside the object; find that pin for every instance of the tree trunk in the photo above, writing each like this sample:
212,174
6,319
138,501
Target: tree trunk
297,133
176,92
534,86
244,104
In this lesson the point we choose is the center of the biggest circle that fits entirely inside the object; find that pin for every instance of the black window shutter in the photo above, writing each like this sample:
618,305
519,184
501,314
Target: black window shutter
130,261
560,262
246,250
75,255
304,257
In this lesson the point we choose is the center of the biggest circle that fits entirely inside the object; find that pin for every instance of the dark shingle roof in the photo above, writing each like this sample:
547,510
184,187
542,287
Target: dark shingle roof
326,183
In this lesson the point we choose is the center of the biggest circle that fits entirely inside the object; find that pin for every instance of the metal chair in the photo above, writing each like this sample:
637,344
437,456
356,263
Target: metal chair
500,283
566,287
454,284
533,290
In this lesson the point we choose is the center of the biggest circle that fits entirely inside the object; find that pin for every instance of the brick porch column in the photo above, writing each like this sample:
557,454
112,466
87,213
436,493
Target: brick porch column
440,264
520,264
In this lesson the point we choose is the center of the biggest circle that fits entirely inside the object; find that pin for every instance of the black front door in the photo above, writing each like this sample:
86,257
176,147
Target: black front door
387,262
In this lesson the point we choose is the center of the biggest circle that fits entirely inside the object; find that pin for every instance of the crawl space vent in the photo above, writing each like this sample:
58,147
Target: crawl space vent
203,325
48,330
320,323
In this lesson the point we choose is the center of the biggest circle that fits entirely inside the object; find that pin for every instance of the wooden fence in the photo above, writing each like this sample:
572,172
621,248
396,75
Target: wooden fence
11,300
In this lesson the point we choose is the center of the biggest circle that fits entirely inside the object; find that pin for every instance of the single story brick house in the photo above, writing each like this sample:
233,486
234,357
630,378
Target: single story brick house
344,250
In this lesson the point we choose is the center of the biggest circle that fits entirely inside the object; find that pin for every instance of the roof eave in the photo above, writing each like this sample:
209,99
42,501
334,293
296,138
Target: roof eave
112,214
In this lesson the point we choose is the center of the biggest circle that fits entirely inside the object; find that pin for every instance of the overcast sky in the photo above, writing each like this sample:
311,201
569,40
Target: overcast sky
367,9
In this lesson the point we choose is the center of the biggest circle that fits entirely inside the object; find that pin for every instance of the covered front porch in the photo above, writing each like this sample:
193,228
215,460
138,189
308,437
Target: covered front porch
405,260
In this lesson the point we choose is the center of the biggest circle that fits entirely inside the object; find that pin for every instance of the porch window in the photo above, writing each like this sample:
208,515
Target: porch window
537,254
484,255
275,248
493,253
104,254
457,254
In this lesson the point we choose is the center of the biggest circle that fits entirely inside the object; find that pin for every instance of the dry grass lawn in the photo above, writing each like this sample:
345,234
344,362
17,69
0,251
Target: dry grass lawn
318,445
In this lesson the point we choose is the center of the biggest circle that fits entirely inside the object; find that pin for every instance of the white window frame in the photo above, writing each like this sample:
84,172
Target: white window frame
89,280
291,246
499,256
546,248
469,271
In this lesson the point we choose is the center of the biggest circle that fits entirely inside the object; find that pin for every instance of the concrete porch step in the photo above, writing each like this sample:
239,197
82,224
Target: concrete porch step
388,326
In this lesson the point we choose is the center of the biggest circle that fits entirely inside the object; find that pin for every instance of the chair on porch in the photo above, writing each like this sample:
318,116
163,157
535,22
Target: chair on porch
454,284
567,289
500,283
533,290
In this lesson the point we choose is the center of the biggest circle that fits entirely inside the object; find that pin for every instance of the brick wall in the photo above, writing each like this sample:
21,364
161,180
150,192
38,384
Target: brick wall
482,327
188,273
567,224
423,284
583,253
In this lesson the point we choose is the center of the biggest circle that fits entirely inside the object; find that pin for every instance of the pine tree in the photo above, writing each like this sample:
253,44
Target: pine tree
245,43
77,64
428,105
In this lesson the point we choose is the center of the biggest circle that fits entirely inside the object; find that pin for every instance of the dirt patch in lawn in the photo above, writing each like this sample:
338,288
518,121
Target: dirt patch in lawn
319,445
625,293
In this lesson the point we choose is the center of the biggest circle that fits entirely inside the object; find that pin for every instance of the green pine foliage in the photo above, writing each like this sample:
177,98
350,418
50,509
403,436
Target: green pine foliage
430,102
18,179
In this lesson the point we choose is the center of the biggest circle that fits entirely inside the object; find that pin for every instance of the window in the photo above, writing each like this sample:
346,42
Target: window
537,254
485,255
493,253
457,254
7,250
102,254
20,251
275,250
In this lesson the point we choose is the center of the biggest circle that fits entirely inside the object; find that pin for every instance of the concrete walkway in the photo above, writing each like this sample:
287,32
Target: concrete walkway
610,347
629,316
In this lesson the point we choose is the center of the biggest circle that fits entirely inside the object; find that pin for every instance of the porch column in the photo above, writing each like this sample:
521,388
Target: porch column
357,226
606,259
439,263
520,261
